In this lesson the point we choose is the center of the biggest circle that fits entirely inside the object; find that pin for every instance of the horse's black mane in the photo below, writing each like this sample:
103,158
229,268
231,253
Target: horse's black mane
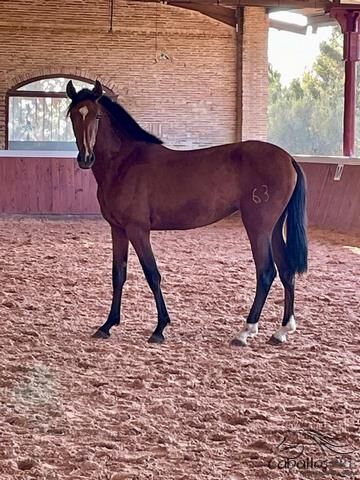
120,118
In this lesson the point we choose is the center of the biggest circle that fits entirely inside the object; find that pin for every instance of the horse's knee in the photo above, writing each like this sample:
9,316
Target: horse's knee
119,277
153,277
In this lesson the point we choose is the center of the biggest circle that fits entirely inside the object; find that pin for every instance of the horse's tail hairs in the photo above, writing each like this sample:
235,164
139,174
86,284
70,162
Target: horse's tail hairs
296,225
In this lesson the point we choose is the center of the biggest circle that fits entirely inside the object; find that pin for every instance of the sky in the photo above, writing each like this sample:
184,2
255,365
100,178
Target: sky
292,53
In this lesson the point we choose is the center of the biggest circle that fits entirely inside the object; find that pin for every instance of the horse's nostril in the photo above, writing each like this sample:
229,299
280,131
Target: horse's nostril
90,159
85,161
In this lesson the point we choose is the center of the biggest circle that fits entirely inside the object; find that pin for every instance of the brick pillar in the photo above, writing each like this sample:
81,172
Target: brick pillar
252,72
2,118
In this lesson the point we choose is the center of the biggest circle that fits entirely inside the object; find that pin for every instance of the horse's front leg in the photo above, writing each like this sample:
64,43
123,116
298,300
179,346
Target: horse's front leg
120,254
140,240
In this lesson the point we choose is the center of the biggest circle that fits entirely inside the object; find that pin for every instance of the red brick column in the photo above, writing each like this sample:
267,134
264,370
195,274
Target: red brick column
252,71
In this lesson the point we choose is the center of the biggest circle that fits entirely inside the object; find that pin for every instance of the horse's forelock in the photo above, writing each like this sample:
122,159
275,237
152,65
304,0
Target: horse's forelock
81,96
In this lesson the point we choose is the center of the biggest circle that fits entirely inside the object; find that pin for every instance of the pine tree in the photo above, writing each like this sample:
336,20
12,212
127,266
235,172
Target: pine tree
307,116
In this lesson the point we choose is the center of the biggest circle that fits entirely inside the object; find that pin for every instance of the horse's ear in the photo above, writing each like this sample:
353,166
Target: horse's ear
70,90
98,89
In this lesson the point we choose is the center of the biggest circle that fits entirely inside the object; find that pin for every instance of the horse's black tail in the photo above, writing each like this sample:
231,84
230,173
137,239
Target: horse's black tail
296,237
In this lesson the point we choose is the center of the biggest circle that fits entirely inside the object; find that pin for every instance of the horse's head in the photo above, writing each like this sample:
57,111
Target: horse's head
84,113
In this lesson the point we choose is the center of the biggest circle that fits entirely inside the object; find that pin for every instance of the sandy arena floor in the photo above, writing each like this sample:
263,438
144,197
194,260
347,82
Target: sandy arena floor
195,408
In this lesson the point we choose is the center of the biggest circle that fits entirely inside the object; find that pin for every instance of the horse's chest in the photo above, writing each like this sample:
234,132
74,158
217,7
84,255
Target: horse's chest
118,206
108,206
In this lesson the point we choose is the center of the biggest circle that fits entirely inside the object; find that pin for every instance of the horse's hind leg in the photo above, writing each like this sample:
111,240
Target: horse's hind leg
260,240
287,279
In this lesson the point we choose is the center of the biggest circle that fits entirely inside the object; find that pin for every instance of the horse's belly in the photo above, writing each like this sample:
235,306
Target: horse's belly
190,215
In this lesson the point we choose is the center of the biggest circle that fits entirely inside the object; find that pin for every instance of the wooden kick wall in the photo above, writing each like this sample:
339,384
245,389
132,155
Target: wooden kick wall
46,186
59,186
333,204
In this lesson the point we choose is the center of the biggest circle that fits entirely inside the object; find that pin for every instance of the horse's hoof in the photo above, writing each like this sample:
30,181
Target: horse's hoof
275,341
100,334
237,342
157,338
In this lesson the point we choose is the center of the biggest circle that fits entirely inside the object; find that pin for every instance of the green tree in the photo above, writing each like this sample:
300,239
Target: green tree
275,88
307,116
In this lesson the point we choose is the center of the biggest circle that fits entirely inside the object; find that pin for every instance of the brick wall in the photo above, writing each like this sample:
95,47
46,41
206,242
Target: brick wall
190,98
255,74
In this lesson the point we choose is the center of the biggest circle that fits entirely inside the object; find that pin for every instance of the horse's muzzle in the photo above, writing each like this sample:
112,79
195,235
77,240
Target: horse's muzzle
86,161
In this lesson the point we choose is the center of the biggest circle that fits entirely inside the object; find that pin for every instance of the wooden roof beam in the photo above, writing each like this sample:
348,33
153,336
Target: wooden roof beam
293,4
289,27
222,14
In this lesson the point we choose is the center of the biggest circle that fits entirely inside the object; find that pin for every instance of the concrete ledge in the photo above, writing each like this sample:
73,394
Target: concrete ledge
37,154
68,154
327,160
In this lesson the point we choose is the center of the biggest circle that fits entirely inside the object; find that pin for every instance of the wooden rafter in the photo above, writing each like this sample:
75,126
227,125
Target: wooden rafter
225,10
218,12
292,4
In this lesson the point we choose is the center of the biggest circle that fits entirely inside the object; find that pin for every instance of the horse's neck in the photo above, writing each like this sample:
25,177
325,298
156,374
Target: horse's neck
109,150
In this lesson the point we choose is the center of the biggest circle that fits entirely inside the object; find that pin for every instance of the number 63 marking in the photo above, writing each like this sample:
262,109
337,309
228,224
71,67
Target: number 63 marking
262,196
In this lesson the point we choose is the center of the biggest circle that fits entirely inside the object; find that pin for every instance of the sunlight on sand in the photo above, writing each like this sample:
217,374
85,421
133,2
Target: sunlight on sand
355,250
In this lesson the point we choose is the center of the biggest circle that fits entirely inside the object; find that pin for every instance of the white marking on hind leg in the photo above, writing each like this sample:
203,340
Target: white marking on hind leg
249,331
290,327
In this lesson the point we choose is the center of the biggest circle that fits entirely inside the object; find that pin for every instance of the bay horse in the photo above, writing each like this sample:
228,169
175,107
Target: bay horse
144,186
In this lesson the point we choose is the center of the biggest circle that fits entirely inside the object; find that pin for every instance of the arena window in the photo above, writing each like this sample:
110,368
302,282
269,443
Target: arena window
36,112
